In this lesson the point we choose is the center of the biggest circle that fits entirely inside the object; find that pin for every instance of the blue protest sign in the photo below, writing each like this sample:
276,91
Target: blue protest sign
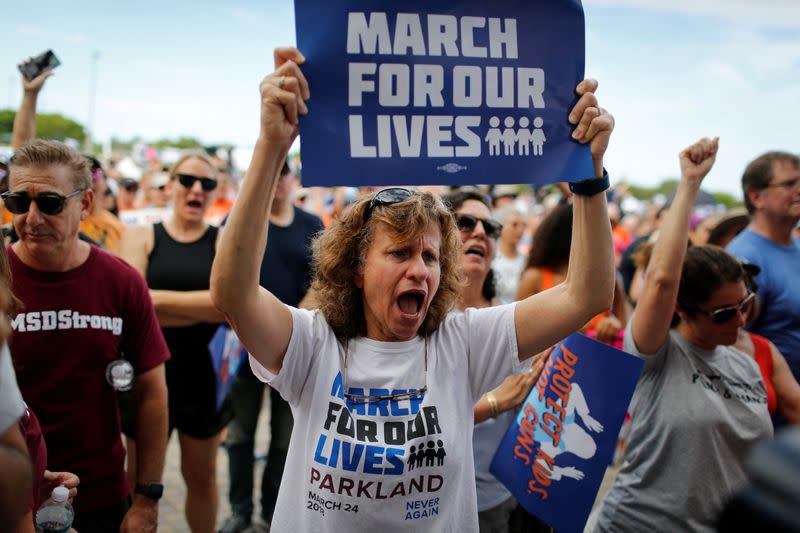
227,353
555,454
441,91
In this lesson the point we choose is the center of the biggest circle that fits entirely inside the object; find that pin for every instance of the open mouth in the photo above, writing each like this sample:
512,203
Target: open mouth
475,251
195,203
410,302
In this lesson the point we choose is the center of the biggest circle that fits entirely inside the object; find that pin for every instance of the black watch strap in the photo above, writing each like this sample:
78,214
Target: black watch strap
154,491
591,186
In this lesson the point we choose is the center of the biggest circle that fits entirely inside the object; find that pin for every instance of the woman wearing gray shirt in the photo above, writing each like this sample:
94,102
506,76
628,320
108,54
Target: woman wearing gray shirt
700,404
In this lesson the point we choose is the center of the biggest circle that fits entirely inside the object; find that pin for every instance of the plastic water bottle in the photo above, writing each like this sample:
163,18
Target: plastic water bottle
56,514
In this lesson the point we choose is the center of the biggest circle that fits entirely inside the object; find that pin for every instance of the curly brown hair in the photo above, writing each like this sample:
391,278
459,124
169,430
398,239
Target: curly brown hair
340,251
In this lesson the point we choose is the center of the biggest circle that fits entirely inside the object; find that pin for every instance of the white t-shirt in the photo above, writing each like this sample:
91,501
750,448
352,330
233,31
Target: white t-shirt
11,404
390,466
507,273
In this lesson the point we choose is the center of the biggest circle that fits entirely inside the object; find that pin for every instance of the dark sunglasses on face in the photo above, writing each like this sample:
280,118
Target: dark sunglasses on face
188,181
49,203
391,196
725,314
469,223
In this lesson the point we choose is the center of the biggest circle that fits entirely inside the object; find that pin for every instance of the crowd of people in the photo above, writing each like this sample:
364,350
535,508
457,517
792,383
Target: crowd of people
395,330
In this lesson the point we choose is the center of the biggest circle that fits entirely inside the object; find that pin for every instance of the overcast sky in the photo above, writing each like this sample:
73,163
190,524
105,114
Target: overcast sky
669,71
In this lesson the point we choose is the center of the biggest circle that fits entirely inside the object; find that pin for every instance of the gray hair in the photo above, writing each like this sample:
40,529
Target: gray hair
504,213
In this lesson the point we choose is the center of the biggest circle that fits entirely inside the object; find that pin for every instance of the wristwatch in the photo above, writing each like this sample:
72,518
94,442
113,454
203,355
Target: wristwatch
591,186
154,491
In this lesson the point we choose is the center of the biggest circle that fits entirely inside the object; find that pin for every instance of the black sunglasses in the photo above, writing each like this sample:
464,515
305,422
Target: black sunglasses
49,203
468,223
393,195
188,181
724,314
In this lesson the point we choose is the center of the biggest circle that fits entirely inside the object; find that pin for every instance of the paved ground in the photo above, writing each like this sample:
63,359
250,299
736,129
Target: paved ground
170,517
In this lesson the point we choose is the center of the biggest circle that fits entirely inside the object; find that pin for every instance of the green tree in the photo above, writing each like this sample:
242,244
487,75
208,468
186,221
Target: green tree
642,193
728,200
123,145
181,142
48,126
58,127
6,124
668,187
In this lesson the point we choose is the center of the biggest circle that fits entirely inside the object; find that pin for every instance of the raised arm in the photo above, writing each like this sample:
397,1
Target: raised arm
24,129
656,305
260,320
549,316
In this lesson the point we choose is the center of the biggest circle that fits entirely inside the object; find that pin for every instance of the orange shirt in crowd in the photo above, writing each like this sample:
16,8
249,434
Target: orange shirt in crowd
622,239
103,228
218,210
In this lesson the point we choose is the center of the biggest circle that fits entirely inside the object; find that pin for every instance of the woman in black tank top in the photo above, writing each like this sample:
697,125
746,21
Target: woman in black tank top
175,257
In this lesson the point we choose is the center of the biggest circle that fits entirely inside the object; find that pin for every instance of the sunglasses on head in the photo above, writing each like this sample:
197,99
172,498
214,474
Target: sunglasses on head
470,222
724,314
49,203
188,181
391,196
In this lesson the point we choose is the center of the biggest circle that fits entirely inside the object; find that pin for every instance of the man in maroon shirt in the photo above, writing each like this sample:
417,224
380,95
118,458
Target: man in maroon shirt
83,309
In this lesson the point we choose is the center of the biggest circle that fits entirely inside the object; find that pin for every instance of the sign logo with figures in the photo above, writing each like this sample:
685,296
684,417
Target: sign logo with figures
439,92
554,455
522,138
